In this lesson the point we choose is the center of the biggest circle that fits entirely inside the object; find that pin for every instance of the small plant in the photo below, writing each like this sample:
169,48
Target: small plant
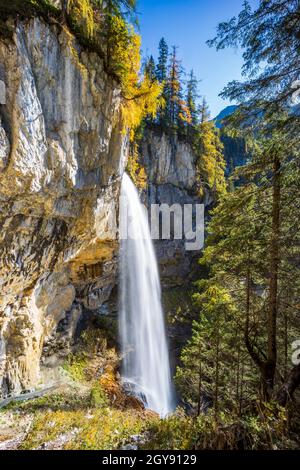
98,397
76,367
224,431
134,168
175,432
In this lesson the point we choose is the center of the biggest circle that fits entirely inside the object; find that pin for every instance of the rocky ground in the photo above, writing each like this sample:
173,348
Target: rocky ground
87,409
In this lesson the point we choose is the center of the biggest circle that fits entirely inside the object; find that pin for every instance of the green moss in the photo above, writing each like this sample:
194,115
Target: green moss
53,401
27,9
76,366
97,429
98,397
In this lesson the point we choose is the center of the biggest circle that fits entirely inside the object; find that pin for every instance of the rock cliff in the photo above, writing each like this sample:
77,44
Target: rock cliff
170,165
62,153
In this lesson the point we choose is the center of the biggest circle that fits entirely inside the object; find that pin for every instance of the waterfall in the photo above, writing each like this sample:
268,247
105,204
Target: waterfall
146,368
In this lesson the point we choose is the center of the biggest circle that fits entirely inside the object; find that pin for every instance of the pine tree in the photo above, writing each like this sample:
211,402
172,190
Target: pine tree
163,57
177,113
150,69
209,370
192,97
204,111
173,89
251,249
210,163
114,27
189,376
208,147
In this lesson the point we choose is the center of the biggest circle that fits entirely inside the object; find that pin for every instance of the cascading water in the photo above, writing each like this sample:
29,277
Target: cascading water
146,367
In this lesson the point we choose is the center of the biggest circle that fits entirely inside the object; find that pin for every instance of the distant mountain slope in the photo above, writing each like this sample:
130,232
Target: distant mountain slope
223,114
235,151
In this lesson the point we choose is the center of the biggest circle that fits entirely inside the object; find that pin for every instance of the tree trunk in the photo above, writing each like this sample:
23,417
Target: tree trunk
65,6
285,344
237,393
253,354
287,390
270,365
241,391
199,389
267,365
216,404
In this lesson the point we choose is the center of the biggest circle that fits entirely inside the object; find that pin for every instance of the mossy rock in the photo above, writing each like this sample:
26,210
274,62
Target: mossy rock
28,9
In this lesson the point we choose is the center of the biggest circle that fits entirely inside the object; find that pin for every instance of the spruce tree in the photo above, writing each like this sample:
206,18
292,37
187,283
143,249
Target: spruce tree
210,373
203,111
251,251
173,89
150,69
163,57
177,113
192,97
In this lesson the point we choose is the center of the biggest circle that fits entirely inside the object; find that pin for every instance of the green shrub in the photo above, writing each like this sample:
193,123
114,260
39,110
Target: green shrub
98,397
76,366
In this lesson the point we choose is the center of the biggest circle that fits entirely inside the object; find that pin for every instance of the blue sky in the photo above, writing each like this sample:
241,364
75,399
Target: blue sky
188,24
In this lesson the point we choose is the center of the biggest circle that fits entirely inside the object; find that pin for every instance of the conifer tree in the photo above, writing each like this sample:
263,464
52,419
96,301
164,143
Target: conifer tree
270,35
176,108
251,247
150,69
208,373
203,111
114,27
173,89
192,97
210,163
116,7
163,57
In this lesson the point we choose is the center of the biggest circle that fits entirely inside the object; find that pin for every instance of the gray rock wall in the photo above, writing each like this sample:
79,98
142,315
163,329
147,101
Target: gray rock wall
61,158
172,179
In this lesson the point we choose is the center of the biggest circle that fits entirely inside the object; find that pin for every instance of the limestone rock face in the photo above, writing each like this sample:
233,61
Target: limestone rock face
61,157
171,171
168,161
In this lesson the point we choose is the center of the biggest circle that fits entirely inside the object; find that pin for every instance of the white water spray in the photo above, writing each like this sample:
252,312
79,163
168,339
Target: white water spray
146,367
